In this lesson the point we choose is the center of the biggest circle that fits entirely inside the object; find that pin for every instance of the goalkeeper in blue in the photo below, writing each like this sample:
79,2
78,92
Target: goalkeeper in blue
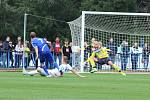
56,72
42,51
100,55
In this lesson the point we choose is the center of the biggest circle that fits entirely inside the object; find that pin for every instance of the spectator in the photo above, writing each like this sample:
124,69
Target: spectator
32,56
47,63
6,52
11,52
92,45
113,50
18,54
1,47
113,47
57,50
70,44
125,52
86,56
19,38
90,48
26,56
134,56
66,50
52,51
86,53
145,55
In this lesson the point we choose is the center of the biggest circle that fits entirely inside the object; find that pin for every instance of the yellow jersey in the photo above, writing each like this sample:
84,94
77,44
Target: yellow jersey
27,51
100,53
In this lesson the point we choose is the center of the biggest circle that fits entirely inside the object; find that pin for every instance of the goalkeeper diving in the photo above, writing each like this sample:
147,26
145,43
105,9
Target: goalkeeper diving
100,55
56,72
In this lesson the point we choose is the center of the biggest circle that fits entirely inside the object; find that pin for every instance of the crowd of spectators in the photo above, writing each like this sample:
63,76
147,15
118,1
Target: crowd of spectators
11,54
126,53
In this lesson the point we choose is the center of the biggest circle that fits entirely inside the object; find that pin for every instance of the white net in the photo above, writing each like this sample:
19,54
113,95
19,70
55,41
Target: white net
123,28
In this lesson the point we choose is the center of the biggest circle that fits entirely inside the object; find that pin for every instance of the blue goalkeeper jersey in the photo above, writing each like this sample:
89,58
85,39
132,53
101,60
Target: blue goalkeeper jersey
41,44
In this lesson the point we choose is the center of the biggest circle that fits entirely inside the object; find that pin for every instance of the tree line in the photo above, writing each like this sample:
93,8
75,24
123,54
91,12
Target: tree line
12,14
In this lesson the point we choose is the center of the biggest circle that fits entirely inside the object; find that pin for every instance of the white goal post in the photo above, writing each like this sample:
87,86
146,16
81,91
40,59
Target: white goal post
132,27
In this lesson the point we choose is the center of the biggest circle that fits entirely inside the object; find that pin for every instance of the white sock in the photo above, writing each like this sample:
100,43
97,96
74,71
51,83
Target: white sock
34,72
24,71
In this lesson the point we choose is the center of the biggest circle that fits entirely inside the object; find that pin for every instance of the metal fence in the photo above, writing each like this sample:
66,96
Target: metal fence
12,59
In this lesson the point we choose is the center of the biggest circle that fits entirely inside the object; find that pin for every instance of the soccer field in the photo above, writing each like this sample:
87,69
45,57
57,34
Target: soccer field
15,86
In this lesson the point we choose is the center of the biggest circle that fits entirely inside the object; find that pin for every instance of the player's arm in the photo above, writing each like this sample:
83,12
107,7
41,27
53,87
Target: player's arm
91,59
36,52
75,73
35,48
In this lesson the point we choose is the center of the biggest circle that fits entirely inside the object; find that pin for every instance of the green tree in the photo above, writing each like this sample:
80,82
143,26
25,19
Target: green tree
109,5
12,14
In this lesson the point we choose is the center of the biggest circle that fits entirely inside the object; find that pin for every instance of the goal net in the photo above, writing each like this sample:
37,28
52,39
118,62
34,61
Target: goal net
124,29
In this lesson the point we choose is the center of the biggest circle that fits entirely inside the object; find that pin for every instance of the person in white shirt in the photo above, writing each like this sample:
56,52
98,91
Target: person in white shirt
135,56
18,54
56,72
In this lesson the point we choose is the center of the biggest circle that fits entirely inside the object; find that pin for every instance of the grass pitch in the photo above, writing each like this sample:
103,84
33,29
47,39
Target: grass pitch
15,86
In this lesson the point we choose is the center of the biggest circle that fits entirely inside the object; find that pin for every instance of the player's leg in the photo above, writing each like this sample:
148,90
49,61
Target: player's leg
44,72
54,72
116,67
31,73
50,58
43,57
93,65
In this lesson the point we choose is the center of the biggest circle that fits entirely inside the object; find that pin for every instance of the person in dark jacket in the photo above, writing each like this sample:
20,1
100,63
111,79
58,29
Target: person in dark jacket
67,51
6,52
113,47
1,53
125,52
113,50
145,55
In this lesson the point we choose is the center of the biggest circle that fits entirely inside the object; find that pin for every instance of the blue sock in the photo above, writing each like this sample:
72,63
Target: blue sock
45,69
56,65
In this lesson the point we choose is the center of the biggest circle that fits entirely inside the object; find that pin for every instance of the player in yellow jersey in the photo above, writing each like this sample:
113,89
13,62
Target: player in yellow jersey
100,55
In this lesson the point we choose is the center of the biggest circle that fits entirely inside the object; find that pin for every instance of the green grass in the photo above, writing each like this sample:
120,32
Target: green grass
15,86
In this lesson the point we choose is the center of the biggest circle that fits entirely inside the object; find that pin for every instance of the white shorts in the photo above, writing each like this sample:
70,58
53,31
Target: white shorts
54,72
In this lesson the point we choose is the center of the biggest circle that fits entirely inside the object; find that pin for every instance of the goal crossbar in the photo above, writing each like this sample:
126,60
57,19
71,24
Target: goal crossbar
116,13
